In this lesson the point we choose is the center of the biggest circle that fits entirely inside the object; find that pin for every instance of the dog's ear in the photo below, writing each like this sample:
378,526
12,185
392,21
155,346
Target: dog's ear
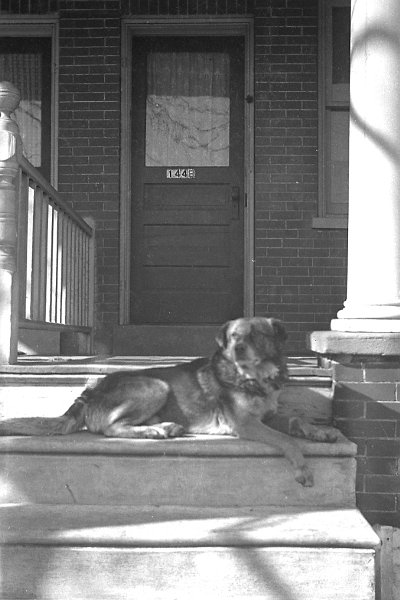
221,337
279,330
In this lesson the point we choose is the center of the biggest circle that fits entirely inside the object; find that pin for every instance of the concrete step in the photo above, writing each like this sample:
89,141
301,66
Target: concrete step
198,471
299,366
51,396
51,384
172,552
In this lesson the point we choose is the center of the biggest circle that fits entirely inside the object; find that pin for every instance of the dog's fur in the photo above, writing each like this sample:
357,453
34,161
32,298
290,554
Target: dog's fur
230,393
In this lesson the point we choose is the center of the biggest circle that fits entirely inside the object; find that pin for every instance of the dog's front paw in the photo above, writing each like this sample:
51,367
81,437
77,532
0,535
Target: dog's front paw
172,429
164,430
318,434
329,434
302,429
304,476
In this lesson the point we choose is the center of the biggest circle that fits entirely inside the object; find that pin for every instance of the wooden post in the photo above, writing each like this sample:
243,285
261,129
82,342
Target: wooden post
9,141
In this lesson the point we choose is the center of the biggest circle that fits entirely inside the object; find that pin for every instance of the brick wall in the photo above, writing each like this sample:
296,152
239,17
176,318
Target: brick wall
367,411
299,271
89,134
188,7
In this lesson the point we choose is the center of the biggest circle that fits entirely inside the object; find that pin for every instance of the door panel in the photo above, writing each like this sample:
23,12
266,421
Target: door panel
184,246
187,180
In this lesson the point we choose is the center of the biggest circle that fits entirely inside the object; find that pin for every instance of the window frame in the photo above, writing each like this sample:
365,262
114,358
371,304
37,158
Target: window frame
324,220
40,26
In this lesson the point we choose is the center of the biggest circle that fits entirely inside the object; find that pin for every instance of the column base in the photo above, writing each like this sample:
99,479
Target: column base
357,343
366,325
355,310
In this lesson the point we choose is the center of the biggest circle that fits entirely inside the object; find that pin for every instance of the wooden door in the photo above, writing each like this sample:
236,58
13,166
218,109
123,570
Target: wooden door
187,180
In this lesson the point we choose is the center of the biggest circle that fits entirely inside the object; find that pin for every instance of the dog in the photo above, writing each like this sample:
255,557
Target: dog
235,392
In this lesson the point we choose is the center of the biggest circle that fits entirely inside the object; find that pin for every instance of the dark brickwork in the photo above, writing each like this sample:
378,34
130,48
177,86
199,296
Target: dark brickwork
89,136
299,271
367,411
33,7
188,7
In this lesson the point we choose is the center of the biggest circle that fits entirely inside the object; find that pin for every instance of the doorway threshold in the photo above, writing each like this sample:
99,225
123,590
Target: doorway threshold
164,340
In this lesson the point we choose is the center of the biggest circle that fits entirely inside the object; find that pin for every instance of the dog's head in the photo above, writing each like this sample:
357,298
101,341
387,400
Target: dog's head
255,346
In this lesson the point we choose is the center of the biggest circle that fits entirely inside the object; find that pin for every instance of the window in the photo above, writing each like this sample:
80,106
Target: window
26,60
26,63
187,109
334,109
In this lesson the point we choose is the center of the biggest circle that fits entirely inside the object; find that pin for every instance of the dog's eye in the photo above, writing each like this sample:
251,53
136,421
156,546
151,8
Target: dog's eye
240,349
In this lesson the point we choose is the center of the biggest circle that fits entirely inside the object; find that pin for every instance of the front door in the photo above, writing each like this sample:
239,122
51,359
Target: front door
187,180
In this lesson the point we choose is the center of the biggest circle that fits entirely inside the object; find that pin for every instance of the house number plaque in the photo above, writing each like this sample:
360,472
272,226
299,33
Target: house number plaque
181,173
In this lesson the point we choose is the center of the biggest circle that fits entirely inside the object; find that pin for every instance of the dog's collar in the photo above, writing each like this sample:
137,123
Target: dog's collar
209,383
253,387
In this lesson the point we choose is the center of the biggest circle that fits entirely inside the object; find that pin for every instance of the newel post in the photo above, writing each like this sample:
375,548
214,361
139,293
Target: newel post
9,139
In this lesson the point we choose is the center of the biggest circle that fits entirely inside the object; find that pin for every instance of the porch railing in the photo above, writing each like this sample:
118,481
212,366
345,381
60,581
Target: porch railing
46,250
55,256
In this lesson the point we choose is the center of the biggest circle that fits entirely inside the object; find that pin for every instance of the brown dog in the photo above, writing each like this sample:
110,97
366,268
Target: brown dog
230,393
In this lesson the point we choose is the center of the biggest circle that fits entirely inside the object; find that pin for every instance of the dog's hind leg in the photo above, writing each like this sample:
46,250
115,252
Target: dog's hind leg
126,429
130,409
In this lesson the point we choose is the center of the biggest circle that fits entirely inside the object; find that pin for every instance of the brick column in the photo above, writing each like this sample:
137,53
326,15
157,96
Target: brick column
373,287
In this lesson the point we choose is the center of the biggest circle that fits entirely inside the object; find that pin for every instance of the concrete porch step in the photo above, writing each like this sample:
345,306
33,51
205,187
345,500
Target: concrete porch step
196,471
170,552
299,366
51,384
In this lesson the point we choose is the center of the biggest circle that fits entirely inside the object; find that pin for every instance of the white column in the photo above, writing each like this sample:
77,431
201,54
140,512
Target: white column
373,286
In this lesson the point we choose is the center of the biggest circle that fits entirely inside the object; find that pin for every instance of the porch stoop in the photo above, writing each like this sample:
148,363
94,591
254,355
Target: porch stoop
88,517
80,552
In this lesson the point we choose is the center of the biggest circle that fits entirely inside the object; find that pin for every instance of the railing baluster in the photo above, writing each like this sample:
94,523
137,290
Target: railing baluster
64,280
81,277
85,280
35,214
23,194
42,277
69,274
30,274
49,270
55,265
78,277
59,267
74,275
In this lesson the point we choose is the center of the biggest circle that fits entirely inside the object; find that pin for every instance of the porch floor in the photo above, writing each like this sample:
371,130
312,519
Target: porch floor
299,366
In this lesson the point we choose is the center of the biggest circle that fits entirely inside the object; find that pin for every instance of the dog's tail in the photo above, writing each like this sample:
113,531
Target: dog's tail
70,422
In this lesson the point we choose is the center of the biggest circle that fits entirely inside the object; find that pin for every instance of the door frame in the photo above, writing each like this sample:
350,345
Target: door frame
205,26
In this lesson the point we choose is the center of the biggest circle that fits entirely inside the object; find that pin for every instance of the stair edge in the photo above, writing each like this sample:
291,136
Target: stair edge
179,526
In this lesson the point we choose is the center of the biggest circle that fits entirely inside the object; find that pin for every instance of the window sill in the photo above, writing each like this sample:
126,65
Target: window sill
329,223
